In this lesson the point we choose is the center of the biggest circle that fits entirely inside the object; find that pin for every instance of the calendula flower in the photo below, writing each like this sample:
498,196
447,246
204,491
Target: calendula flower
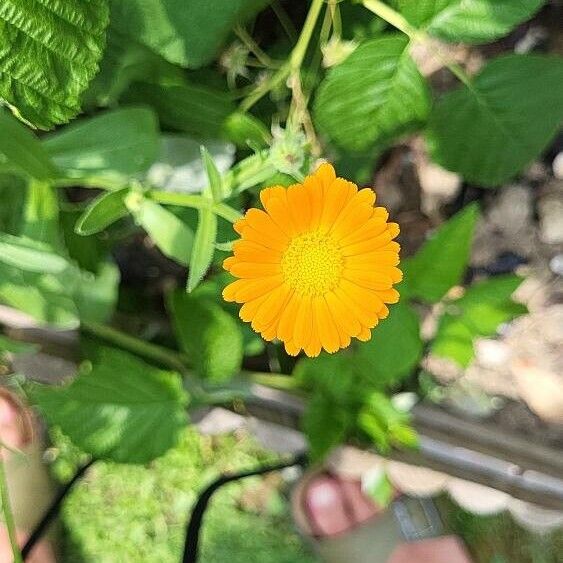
316,267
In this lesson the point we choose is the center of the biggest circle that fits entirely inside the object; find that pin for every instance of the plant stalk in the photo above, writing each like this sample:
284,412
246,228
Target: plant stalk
8,514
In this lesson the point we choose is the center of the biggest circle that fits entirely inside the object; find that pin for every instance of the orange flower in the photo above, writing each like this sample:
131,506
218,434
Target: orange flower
317,266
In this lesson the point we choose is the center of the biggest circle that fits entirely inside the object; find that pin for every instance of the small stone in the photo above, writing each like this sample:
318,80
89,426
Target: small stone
558,166
550,209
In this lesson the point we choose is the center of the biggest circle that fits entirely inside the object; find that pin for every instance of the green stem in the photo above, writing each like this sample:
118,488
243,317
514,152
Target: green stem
159,354
387,13
8,514
275,381
294,62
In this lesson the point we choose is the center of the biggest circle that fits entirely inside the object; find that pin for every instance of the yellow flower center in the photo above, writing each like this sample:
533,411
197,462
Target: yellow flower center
312,263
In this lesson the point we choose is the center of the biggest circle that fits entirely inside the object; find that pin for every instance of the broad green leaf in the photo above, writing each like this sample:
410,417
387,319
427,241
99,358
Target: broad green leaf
122,141
102,212
214,189
442,260
493,129
393,351
12,198
22,148
41,214
30,255
50,51
198,110
121,409
185,32
46,297
96,294
209,335
479,312
375,95
171,235
469,21
203,247
325,426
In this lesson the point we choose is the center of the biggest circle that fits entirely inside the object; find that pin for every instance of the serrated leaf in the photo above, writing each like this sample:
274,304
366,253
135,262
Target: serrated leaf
325,426
102,212
121,409
208,334
393,351
511,111
376,94
203,247
119,142
185,32
30,255
23,149
479,312
214,188
49,51
169,233
198,110
442,260
469,21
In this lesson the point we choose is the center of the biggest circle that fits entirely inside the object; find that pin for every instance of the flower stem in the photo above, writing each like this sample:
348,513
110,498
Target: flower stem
8,514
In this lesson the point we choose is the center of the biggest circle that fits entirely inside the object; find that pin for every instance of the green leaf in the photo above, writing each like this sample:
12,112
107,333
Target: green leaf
203,247
47,298
479,312
442,260
511,111
375,95
245,130
12,196
41,214
469,21
394,349
50,51
122,141
215,182
171,235
325,426
384,424
185,32
102,212
7,345
209,335
198,110
23,149
378,487
121,409
30,255
96,294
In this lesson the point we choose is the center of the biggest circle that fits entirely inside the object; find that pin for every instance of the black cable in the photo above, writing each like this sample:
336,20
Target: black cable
52,511
191,549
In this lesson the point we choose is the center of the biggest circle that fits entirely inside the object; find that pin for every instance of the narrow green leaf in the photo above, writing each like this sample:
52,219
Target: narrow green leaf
511,112
203,247
122,142
375,95
30,255
442,260
215,182
171,235
102,212
245,130
469,21
119,408
23,149
393,351
209,335
41,214
96,294
50,51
